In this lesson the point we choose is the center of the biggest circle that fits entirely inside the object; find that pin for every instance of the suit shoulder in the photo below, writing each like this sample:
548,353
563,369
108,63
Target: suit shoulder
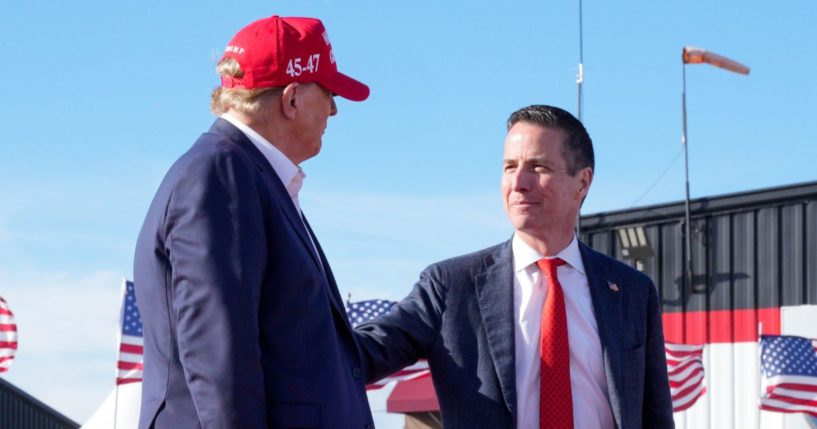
213,158
470,261
211,148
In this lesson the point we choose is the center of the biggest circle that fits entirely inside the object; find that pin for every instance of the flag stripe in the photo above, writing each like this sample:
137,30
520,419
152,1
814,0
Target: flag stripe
794,398
688,386
127,348
677,386
681,369
684,402
783,407
130,365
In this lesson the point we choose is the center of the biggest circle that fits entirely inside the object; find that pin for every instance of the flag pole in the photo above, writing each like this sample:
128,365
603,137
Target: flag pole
115,404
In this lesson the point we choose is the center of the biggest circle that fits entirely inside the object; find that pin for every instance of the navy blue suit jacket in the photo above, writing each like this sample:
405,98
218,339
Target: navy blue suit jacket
243,326
459,316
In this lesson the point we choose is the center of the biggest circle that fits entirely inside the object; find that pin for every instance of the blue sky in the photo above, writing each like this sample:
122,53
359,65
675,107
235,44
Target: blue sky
101,97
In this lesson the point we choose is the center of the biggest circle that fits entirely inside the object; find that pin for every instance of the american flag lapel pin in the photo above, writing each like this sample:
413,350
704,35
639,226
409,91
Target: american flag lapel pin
613,287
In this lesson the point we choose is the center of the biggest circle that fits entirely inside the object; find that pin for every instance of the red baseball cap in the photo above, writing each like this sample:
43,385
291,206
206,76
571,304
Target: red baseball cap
277,51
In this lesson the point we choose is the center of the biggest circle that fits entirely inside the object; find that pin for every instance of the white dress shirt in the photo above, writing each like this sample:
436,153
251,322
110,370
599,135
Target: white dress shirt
588,382
290,174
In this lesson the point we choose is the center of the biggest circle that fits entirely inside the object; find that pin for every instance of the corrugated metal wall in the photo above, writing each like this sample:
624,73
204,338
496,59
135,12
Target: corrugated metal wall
753,253
18,410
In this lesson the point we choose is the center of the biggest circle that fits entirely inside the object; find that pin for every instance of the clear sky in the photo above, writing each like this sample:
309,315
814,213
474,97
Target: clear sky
101,97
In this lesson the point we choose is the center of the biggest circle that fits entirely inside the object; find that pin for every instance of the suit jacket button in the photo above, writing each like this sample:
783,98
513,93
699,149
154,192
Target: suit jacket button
356,372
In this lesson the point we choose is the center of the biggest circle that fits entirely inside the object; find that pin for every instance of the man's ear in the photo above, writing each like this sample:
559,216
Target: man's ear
290,100
585,180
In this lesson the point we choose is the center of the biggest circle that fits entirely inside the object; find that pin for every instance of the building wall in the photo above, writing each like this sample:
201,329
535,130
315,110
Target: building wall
752,254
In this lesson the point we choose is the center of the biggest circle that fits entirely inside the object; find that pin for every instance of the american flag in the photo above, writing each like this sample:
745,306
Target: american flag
788,367
362,311
685,367
130,365
8,336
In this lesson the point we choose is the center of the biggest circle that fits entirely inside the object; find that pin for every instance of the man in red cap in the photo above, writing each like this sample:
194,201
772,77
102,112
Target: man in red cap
243,323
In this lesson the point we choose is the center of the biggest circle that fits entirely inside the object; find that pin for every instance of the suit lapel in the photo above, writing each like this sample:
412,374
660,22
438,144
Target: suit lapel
607,302
494,289
222,127
334,295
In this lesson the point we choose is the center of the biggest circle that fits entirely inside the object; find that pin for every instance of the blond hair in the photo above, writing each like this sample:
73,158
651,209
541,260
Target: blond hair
246,101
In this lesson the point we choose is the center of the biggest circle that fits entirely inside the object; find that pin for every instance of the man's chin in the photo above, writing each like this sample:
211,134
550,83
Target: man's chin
526,228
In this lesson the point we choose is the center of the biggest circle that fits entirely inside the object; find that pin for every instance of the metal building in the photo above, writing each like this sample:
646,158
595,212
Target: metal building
754,257
752,252
19,410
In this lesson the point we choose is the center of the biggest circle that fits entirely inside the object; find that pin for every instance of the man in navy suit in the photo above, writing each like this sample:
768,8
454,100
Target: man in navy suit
540,331
243,323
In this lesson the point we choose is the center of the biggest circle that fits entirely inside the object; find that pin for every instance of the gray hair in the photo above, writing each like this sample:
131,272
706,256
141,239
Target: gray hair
246,101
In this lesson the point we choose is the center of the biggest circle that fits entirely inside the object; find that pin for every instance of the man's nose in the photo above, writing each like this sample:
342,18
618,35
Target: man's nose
334,109
520,180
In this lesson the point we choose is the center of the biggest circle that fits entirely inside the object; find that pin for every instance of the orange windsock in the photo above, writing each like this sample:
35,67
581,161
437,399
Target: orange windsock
698,56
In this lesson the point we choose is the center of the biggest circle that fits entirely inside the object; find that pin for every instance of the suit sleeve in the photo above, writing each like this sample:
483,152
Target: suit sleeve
657,407
393,341
217,251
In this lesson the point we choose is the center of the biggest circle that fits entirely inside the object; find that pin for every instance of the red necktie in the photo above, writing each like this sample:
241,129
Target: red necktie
555,396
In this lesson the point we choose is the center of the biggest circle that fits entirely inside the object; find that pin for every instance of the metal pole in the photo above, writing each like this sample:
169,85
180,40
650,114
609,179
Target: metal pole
115,405
579,80
580,76
758,383
688,233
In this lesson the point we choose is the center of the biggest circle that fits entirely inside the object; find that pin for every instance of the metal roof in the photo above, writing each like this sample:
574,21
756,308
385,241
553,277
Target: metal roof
739,201
18,409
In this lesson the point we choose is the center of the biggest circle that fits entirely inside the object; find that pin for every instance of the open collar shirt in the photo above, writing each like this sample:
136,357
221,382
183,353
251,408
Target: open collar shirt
588,382
290,174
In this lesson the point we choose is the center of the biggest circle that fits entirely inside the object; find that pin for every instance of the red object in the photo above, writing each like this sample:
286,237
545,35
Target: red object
720,326
8,336
685,368
419,369
693,55
277,51
413,396
555,395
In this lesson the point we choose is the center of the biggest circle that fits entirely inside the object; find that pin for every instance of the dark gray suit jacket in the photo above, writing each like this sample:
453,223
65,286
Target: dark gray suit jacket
459,316
243,325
